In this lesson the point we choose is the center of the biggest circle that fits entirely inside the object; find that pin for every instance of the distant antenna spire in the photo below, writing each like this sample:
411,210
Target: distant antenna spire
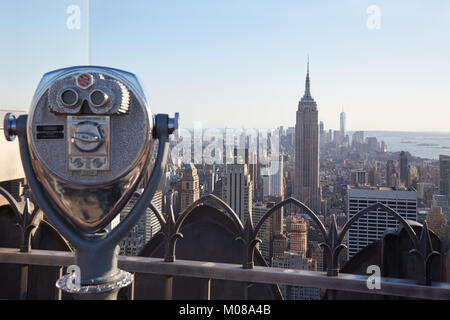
307,68
307,95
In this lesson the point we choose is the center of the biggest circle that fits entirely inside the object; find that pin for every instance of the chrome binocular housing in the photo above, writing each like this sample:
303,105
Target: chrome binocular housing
90,140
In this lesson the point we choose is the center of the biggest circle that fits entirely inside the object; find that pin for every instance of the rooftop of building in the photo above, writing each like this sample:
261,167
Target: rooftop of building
189,166
379,188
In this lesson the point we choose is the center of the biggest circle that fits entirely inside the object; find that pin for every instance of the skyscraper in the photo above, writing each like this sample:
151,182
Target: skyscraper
146,227
149,224
390,174
237,189
342,121
279,245
359,177
444,175
299,236
290,137
322,134
273,178
358,137
374,176
306,180
277,183
190,191
259,209
266,182
404,170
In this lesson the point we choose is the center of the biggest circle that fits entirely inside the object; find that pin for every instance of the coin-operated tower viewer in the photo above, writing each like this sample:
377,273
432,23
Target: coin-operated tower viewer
85,145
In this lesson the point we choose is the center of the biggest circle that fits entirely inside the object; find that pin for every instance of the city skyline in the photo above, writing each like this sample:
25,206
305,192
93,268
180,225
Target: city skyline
210,61
246,161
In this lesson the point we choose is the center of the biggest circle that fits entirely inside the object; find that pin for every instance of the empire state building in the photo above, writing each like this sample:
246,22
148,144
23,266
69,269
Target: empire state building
306,183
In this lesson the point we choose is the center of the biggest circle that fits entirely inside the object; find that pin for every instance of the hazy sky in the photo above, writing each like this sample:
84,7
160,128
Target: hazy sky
241,63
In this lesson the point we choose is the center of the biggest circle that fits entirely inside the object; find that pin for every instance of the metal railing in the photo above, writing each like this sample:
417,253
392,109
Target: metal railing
234,272
247,272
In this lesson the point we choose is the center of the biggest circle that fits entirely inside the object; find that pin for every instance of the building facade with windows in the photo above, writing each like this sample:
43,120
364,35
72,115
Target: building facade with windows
237,189
190,191
372,226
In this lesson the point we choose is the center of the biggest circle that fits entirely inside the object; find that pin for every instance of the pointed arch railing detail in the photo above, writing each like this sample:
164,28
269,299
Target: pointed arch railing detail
26,220
247,234
333,237
170,226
